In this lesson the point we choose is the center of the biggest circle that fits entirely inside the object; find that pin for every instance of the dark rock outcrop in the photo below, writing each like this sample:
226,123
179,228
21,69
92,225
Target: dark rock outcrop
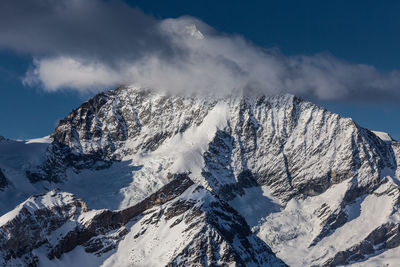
3,180
35,221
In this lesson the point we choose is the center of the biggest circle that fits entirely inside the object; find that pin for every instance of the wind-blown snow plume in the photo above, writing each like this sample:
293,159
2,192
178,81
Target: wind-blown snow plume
97,44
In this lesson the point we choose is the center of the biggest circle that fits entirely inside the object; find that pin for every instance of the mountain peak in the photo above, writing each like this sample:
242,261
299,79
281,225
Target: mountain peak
194,32
244,175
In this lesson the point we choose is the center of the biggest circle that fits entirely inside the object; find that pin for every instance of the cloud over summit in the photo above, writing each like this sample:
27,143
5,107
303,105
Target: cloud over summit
94,44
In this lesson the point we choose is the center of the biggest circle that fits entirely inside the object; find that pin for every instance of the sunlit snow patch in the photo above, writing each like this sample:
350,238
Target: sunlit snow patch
383,136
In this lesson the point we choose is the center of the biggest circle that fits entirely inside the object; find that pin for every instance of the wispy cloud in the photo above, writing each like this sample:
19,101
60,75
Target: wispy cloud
93,44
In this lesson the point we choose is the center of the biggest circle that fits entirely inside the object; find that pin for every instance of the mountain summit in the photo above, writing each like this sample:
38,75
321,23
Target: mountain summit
156,179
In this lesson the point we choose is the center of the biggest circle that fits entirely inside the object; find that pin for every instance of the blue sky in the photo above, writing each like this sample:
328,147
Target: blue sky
357,32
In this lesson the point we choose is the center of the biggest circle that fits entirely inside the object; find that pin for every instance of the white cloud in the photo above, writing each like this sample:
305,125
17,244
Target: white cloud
88,45
67,72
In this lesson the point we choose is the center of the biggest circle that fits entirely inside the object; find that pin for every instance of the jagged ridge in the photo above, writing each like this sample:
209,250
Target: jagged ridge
60,222
300,153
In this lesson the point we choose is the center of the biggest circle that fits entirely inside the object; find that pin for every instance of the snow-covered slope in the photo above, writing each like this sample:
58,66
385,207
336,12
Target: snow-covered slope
383,136
315,187
16,157
181,224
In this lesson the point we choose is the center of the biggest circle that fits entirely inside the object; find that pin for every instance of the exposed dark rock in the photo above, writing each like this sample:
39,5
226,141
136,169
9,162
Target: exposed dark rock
3,180
60,157
221,228
224,228
384,237
111,220
297,149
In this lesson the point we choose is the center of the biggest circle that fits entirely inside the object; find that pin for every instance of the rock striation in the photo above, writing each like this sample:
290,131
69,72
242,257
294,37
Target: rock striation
273,174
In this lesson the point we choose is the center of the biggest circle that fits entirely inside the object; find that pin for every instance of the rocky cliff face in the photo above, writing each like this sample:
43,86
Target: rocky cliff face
102,125
301,176
202,230
293,146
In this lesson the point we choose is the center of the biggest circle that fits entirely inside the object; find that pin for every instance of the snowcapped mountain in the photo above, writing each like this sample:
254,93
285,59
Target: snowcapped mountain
183,181
195,228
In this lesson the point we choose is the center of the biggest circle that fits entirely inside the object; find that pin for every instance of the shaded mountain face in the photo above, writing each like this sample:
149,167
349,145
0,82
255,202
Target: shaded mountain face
265,173
182,224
